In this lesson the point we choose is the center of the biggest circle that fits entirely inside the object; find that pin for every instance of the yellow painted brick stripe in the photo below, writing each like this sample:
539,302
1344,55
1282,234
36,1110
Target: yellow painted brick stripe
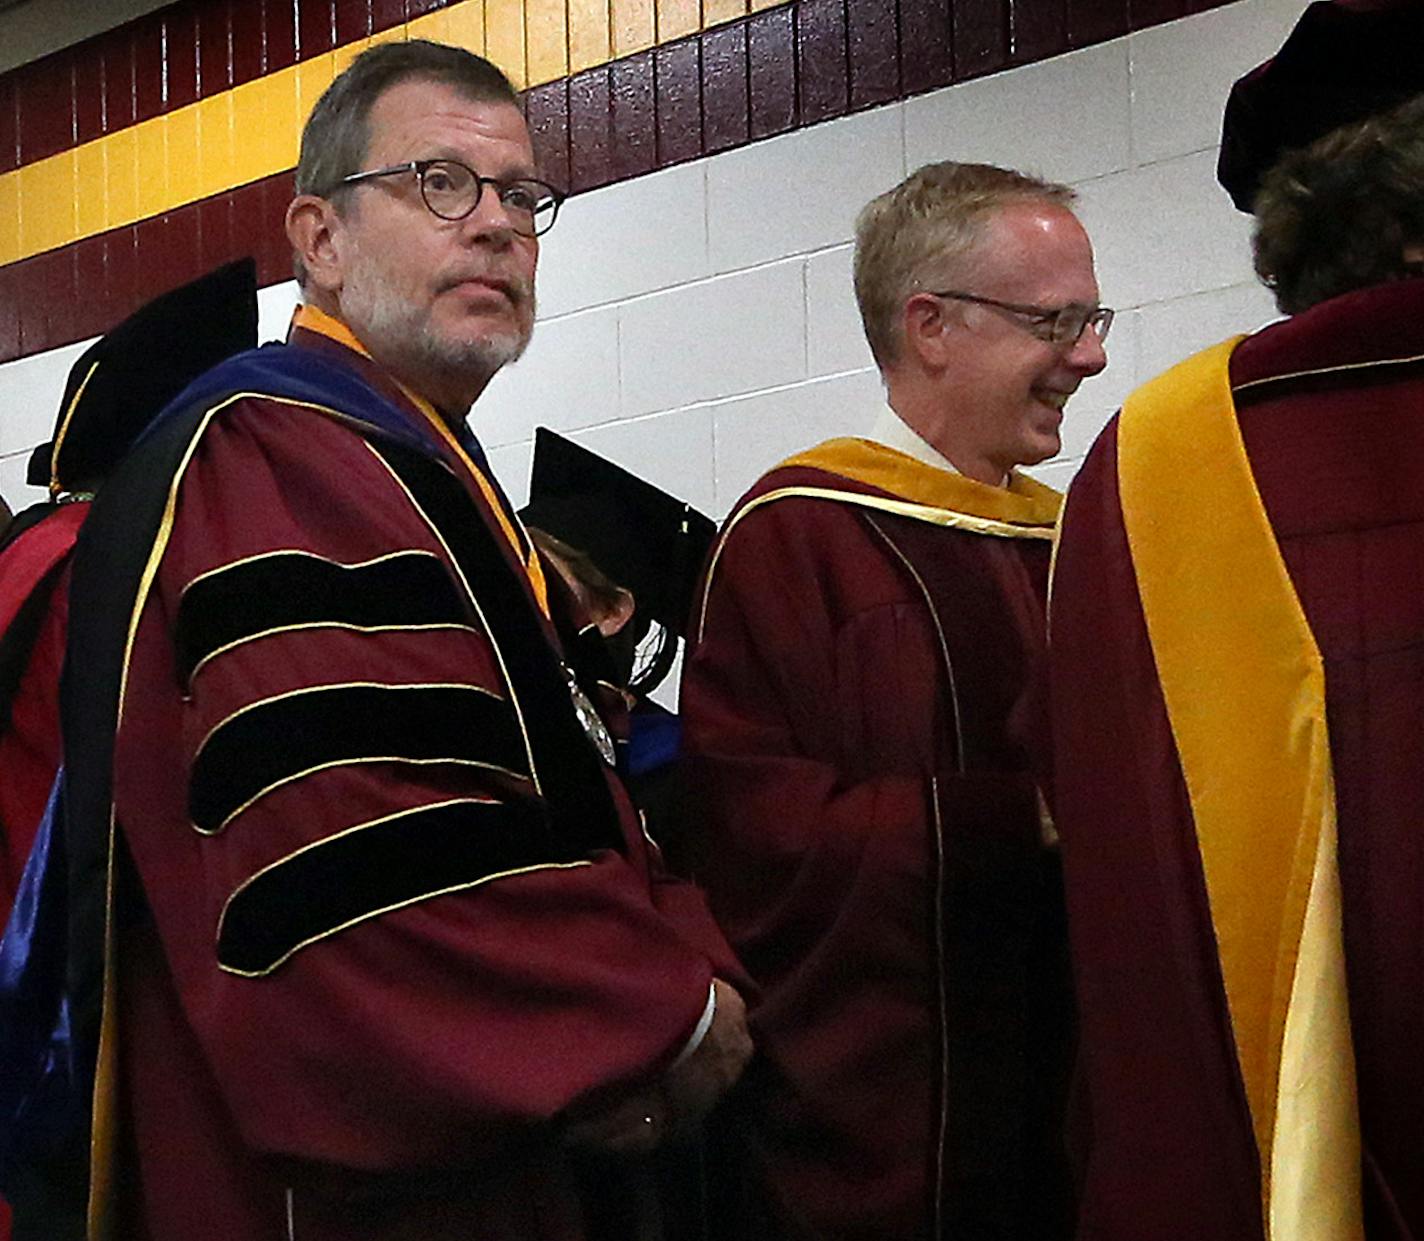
252,131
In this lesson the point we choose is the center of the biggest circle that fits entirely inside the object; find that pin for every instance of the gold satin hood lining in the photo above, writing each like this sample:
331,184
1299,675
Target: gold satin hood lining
1244,687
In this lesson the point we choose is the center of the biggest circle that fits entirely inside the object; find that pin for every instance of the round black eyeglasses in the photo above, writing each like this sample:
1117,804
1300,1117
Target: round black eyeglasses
1058,325
452,190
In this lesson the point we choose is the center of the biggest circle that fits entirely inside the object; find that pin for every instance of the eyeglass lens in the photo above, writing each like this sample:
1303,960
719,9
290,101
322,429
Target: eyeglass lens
452,191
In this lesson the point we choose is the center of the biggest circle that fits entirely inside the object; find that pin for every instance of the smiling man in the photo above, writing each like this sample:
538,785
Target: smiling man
389,956
871,834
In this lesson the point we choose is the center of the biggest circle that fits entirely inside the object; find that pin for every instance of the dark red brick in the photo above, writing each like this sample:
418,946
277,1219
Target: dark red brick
547,110
677,73
279,33
822,62
353,21
590,130
88,69
118,78
1095,21
926,52
181,57
9,313
1040,29
981,35
634,122
247,39
725,105
45,115
316,27
9,133
148,36
872,42
771,63
92,308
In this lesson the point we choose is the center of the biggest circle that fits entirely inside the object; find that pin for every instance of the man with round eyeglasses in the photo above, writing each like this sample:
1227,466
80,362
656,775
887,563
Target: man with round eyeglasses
871,834
389,955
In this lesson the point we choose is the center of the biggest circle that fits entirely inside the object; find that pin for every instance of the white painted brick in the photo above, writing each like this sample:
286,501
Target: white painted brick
511,464
733,334
1057,473
17,493
274,310
1065,119
1164,231
636,237
1183,71
1098,398
835,339
800,191
755,432
30,392
672,451
567,378
1174,330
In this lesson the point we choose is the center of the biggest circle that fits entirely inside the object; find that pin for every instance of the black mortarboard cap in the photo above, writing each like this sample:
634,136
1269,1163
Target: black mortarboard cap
641,537
131,372
1344,61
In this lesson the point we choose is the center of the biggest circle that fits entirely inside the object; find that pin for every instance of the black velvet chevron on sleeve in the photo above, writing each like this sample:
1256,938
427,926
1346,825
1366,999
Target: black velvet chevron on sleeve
375,868
292,589
570,773
280,739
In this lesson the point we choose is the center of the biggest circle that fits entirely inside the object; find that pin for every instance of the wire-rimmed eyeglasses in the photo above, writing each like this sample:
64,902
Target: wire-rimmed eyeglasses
452,190
1058,325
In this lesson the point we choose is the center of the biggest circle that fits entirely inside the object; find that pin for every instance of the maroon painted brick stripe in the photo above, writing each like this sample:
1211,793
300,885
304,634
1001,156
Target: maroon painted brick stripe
768,73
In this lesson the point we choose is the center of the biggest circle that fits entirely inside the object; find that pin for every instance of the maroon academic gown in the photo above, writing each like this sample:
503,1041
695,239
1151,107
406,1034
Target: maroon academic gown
1331,409
29,746
405,1074
868,834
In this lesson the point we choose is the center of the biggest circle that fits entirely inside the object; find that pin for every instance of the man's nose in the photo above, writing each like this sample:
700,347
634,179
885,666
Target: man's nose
490,221
1088,355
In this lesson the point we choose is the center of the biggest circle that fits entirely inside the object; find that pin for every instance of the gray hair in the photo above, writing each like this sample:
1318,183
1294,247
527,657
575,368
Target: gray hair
338,131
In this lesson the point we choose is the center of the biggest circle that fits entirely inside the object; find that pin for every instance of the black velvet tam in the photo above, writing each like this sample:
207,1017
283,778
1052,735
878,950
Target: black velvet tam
642,538
129,374
1345,60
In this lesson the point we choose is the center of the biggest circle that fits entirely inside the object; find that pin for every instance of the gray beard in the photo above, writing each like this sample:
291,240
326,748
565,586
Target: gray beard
398,335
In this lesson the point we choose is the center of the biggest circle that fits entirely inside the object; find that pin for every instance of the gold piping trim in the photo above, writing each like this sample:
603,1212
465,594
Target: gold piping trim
343,625
298,551
479,612
54,487
944,517
374,913
102,1138
942,998
354,762
1326,370
939,632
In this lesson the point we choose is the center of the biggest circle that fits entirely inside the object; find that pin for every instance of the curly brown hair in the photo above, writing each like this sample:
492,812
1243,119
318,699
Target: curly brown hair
1339,214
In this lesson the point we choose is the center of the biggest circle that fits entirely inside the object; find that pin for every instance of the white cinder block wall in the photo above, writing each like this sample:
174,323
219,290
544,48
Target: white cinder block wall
697,324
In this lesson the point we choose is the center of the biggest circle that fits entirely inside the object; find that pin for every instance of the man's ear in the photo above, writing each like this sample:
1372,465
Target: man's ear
313,228
925,321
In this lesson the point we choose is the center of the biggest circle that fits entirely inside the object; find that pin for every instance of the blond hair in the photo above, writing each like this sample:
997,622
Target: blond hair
914,236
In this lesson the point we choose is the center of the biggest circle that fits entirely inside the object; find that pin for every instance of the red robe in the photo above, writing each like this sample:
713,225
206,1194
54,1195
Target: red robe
29,747
868,832
1328,406
296,1050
